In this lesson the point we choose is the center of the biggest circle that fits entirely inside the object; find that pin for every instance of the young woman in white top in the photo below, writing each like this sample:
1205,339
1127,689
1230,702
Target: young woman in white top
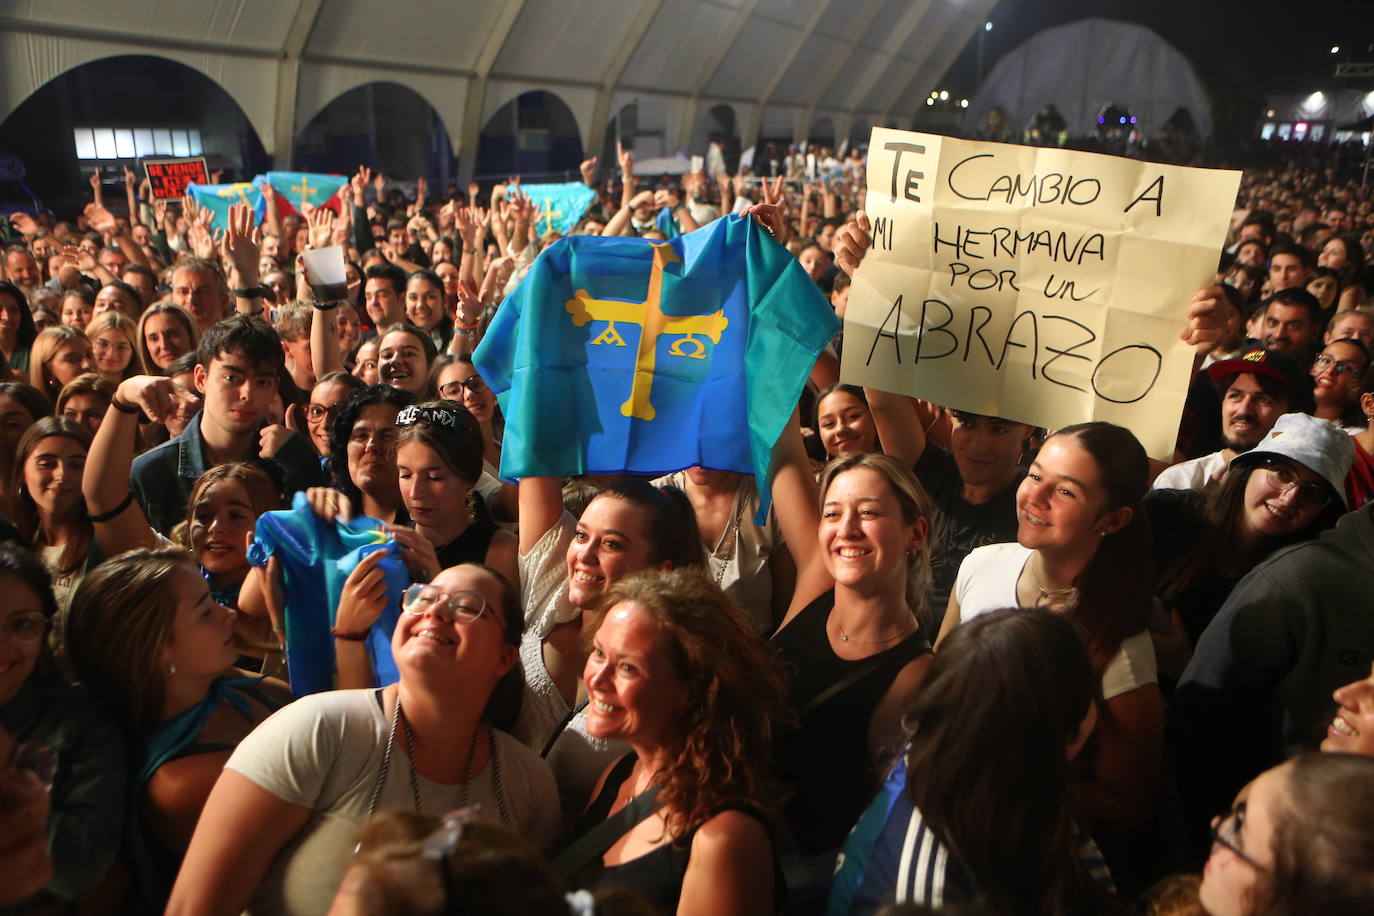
1083,548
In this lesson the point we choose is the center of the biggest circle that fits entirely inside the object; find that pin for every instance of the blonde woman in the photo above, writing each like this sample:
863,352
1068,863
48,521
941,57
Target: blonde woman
60,353
165,332
114,342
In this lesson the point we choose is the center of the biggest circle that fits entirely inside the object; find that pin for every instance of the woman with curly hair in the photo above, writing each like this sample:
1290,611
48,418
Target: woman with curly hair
676,672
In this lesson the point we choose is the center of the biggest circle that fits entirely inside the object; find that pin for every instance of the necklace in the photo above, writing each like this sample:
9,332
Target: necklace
845,637
398,717
1049,594
721,562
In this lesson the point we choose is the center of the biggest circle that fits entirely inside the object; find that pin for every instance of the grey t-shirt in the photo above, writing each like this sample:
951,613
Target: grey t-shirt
324,752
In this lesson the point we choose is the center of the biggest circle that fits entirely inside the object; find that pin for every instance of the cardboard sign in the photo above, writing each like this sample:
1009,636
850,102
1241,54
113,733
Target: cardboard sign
169,177
1041,285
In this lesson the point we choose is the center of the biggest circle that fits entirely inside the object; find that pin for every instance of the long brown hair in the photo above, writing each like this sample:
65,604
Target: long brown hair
987,767
736,694
181,315
122,323
120,618
262,494
26,517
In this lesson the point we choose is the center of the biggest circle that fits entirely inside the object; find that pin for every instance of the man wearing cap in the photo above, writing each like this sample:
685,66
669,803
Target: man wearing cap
1257,388
1299,625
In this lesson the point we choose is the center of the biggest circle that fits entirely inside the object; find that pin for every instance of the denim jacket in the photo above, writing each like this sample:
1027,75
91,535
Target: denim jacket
163,476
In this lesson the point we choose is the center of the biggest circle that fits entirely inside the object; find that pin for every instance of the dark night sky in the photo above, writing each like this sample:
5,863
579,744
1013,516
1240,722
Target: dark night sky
1241,49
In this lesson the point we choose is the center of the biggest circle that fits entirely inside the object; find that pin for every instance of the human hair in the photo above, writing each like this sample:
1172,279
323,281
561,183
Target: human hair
1304,256
84,293
122,323
450,430
252,337
200,266
390,273
915,505
30,398
1297,297
181,315
427,276
120,618
1323,842
23,564
503,705
85,383
342,427
26,517
420,334
987,766
488,871
339,376
263,495
736,693
27,329
1217,538
141,271
1354,258
294,320
45,347
1115,588
670,523
826,392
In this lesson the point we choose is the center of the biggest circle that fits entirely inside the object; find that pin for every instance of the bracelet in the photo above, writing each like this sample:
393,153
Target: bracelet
116,511
469,251
466,332
326,306
255,292
348,637
125,408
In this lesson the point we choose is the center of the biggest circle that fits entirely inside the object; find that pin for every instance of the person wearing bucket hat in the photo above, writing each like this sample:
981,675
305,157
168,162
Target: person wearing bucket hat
1256,387
1292,630
1288,488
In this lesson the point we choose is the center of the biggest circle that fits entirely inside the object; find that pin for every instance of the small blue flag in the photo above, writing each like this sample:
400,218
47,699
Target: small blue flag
218,198
559,207
667,224
315,558
625,355
299,188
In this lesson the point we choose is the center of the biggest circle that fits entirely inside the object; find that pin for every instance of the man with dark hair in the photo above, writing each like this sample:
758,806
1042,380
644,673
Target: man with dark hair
238,366
143,280
1257,388
1337,218
1289,266
199,287
384,297
1290,323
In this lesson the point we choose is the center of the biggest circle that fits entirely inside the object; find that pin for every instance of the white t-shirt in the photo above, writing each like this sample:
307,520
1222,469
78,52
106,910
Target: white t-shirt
987,582
324,752
1191,475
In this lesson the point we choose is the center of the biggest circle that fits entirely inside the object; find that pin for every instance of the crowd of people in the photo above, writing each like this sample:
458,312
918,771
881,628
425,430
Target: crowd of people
965,664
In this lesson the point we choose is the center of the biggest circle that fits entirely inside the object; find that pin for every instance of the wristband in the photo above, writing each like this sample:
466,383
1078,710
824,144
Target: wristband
469,251
255,292
125,408
325,306
116,511
348,637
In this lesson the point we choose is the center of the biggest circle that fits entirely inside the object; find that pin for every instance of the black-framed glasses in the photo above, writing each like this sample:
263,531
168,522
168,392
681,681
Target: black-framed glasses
455,607
453,390
1282,477
1226,830
24,626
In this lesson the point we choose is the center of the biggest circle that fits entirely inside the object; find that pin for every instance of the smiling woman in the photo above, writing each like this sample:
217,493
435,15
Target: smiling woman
281,819
404,355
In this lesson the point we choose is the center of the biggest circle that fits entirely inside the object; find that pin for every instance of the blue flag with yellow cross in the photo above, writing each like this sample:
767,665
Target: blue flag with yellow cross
625,355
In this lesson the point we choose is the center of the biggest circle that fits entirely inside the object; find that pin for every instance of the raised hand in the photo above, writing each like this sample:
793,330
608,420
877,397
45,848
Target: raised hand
100,219
321,223
158,396
588,170
851,243
240,246
360,182
24,224
379,184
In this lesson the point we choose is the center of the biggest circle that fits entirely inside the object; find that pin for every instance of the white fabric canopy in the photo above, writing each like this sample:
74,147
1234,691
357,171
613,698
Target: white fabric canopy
1082,66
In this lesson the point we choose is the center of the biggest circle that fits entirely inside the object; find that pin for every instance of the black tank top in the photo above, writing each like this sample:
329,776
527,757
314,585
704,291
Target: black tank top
656,875
825,761
470,546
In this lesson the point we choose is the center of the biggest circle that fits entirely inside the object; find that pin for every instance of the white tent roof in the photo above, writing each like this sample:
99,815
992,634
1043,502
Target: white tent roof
789,62
1086,64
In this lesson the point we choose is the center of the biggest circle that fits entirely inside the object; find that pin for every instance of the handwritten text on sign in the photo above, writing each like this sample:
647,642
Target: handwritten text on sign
169,177
1040,285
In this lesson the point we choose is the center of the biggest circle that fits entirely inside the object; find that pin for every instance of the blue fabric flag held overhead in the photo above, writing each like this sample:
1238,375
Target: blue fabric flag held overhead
625,355
299,188
667,224
559,206
315,558
218,198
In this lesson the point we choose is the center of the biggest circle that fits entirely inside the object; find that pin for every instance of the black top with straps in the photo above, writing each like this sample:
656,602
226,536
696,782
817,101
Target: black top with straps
470,546
656,875
825,762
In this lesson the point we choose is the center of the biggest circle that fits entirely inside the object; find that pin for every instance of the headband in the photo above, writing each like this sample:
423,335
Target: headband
435,416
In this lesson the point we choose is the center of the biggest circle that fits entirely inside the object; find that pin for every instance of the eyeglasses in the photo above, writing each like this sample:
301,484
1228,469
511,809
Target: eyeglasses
25,626
29,772
1226,830
1324,363
458,607
1283,478
314,413
453,391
